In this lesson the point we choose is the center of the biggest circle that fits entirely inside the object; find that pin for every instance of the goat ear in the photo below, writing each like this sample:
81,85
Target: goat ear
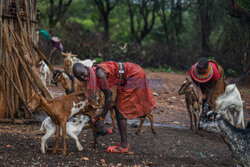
64,54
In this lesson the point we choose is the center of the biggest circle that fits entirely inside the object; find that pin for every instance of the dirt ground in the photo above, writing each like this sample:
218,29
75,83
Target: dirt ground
173,145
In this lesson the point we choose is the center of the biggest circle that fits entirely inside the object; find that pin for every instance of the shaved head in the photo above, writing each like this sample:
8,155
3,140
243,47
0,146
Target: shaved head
80,72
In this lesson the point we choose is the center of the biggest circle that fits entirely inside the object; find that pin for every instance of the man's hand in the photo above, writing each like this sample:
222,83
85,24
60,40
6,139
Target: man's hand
205,108
99,125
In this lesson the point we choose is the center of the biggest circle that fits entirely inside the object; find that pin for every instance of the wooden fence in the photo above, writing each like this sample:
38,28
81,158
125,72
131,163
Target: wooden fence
19,57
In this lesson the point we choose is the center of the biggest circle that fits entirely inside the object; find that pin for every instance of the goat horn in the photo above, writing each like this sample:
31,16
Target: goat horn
209,112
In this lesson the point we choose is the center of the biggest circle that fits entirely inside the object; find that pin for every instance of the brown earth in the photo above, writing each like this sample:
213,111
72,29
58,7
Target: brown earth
173,145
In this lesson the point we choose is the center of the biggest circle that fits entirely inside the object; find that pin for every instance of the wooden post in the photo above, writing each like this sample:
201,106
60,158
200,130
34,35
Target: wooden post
28,17
7,84
24,39
24,101
2,103
5,98
15,69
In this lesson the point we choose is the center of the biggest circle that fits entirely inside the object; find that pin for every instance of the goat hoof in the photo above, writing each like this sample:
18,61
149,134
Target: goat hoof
80,148
114,130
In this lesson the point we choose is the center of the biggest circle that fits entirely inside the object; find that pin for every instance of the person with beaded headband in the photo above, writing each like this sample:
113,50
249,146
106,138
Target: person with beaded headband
209,76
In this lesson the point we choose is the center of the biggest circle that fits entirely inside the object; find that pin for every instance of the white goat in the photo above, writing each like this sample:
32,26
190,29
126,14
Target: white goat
87,62
44,71
230,105
73,129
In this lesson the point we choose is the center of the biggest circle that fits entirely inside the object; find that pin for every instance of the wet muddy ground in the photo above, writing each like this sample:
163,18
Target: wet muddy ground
173,145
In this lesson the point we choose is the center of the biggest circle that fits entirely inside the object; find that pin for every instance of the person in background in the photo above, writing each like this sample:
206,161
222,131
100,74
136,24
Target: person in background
209,76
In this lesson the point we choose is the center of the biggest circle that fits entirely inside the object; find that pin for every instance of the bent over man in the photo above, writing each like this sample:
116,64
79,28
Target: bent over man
134,96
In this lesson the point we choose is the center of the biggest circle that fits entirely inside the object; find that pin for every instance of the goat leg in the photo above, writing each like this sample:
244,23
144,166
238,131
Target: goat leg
151,119
57,138
112,115
140,126
190,115
64,138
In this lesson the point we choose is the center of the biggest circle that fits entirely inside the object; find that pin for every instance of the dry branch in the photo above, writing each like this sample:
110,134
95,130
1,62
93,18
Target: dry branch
6,100
12,82
16,74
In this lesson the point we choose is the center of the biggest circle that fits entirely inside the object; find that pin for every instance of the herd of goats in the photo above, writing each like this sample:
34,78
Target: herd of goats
69,114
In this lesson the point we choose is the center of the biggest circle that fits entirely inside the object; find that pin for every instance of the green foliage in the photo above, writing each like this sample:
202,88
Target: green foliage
87,24
232,72
82,24
99,60
244,4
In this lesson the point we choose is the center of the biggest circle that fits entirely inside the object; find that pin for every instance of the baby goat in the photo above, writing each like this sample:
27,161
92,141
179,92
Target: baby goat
44,71
193,98
238,140
230,105
73,129
60,109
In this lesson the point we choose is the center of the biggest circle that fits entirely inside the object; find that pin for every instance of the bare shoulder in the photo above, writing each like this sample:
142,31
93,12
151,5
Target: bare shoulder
100,73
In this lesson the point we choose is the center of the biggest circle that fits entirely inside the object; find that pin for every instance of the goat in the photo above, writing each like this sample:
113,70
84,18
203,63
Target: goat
87,62
68,63
44,71
193,98
68,81
238,140
230,105
60,109
73,129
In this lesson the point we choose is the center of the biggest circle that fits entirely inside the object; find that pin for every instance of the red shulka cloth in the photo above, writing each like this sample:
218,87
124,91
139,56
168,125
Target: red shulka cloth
134,96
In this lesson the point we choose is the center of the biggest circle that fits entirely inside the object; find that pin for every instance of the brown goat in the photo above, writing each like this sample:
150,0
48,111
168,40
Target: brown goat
60,109
68,62
193,98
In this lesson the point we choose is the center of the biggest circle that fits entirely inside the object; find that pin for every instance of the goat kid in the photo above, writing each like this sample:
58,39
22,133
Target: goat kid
230,106
238,140
60,109
73,129
44,71
193,98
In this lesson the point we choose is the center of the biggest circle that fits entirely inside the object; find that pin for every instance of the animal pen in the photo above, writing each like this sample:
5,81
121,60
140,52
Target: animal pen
19,57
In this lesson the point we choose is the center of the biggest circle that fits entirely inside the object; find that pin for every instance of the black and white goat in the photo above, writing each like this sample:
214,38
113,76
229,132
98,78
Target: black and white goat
73,129
230,106
238,140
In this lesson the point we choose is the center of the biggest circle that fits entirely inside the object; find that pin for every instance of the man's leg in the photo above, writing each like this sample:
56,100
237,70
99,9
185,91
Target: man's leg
122,124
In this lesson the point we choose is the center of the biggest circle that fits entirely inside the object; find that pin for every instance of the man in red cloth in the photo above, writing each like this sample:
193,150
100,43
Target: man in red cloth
134,96
209,76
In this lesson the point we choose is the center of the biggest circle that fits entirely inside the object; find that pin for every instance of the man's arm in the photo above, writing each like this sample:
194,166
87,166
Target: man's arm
211,91
106,90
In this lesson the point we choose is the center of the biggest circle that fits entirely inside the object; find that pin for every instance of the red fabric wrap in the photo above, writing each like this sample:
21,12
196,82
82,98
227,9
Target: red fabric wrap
134,96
